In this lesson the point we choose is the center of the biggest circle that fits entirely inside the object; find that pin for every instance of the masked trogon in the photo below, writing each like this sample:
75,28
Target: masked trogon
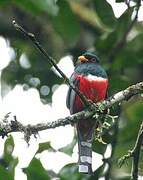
91,80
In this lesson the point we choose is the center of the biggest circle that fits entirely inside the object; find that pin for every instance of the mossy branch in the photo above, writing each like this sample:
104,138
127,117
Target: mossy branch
15,126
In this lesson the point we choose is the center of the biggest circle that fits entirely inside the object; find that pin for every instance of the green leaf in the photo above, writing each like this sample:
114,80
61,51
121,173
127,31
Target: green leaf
108,41
35,171
5,174
98,147
45,146
8,161
8,170
8,147
105,12
124,21
130,57
65,23
69,148
13,165
70,171
38,6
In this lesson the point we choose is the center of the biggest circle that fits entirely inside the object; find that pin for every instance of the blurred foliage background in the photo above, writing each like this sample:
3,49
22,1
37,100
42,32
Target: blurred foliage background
67,27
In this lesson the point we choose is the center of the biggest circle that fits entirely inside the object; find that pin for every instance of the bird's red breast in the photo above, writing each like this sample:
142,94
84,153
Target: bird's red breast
94,88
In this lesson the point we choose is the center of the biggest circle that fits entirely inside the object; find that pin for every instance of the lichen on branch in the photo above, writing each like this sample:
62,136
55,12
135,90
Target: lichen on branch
15,126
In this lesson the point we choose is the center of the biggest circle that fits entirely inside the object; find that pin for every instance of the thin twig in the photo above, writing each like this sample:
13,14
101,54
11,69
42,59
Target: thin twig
134,154
127,2
51,60
123,159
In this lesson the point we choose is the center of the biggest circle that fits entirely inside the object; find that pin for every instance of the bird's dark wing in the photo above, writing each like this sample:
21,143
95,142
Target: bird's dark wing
70,100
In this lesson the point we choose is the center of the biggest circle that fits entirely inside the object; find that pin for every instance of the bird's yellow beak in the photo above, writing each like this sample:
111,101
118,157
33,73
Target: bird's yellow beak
82,58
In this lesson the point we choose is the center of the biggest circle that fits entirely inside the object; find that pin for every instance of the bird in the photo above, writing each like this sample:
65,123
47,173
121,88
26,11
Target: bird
92,81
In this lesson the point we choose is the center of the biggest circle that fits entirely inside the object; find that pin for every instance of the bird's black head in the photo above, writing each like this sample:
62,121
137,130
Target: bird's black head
88,57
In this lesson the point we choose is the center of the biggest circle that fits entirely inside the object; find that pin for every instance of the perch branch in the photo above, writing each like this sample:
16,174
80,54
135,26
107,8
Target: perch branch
50,59
98,108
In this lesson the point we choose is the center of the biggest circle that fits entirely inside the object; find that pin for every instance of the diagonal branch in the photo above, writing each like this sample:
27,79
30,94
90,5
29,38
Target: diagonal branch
15,126
51,60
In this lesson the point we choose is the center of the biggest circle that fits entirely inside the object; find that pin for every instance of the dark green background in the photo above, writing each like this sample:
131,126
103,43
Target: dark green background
72,27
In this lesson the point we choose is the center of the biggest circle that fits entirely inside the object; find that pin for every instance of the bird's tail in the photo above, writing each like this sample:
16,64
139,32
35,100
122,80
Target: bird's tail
85,136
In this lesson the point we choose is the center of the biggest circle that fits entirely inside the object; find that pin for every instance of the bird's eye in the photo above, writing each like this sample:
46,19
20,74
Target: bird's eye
93,59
